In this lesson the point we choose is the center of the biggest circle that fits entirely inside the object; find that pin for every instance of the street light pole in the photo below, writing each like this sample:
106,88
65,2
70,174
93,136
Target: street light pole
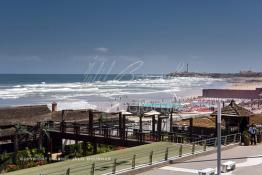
218,138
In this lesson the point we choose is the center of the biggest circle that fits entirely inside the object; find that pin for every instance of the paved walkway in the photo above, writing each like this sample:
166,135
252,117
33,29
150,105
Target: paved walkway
248,159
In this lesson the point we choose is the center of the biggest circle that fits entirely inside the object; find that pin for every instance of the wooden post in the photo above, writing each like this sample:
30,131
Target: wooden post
62,126
92,172
140,137
114,167
180,150
100,124
193,148
151,158
68,171
90,122
84,148
134,162
238,127
205,146
51,145
225,142
75,131
126,135
94,147
123,127
140,123
191,128
120,124
62,116
153,124
159,125
75,152
140,129
171,121
166,154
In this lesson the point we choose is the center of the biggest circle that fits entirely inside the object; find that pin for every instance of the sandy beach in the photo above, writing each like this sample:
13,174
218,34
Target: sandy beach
244,83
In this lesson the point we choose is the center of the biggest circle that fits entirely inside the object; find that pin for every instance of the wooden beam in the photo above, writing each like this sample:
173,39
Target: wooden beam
159,125
120,124
84,148
124,127
153,124
140,123
191,127
171,122
90,122
62,116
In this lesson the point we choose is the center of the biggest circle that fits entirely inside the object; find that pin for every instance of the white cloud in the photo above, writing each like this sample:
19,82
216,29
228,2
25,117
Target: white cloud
101,49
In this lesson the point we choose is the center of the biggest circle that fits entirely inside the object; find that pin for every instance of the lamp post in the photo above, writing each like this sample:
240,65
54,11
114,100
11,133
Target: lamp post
218,138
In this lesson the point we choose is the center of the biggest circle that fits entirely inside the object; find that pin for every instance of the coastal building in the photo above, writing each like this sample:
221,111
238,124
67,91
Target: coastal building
232,93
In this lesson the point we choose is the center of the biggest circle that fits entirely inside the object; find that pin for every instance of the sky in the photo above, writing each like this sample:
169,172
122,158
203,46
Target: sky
138,36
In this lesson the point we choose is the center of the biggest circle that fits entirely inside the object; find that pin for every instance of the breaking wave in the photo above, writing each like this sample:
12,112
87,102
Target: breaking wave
107,89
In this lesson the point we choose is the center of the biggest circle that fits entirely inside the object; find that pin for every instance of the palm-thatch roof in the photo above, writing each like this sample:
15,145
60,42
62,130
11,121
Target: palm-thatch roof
22,114
234,110
80,115
206,122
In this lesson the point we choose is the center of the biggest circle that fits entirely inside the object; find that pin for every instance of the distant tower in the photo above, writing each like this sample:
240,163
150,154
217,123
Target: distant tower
187,68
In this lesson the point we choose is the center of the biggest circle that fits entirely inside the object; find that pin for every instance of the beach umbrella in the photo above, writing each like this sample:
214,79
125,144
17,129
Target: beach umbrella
126,113
151,113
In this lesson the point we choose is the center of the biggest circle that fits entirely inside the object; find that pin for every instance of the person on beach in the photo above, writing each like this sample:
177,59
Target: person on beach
253,130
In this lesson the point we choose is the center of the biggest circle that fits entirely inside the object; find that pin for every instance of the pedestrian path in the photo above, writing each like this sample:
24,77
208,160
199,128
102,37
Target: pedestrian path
248,161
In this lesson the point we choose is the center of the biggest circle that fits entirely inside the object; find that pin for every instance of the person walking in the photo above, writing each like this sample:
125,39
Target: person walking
253,130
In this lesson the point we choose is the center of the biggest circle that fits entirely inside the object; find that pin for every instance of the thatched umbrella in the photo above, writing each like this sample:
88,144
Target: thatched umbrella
236,115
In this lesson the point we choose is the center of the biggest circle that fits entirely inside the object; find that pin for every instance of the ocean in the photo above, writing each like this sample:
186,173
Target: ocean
99,91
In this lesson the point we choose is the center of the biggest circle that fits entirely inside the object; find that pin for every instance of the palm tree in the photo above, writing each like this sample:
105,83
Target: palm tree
19,130
44,136
5,159
43,133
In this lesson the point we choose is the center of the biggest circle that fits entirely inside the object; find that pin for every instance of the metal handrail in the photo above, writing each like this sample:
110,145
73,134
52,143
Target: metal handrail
161,155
